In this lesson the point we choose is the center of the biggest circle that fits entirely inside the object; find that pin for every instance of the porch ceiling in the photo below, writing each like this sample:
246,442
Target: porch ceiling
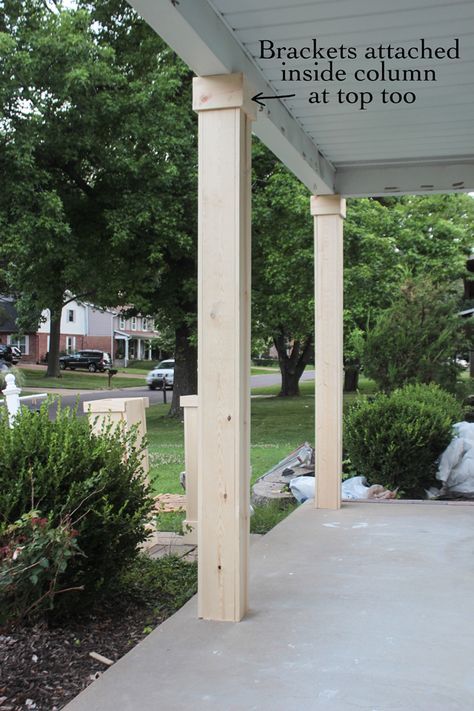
387,149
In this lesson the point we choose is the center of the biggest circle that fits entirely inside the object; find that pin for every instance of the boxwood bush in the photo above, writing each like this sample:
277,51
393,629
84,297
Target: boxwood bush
396,439
64,472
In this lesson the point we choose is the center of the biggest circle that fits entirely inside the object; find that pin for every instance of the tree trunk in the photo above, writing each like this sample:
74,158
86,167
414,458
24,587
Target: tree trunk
185,369
289,381
53,370
351,379
292,365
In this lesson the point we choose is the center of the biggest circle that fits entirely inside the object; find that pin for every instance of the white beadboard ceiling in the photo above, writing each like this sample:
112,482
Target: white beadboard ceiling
427,146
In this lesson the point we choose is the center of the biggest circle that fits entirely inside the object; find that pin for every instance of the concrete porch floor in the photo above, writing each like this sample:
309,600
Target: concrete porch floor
367,608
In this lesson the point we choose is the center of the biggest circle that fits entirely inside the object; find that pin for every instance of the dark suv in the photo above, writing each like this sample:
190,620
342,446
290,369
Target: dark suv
90,360
6,354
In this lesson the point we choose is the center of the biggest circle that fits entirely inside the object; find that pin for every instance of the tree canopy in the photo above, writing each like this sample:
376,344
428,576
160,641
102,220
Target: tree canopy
282,263
386,242
99,154
98,149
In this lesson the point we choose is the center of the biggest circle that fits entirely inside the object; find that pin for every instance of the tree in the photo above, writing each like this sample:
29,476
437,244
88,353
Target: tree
435,234
163,193
387,241
372,272
100,159
282,261
283,282
416,339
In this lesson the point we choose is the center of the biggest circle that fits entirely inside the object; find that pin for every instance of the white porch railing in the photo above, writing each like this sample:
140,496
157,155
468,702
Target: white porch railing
13,401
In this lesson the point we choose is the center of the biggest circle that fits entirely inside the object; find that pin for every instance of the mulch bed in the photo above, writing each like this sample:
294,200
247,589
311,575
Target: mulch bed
44,668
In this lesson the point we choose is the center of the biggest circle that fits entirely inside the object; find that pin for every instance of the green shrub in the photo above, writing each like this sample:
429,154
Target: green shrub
33,556
396,439
416,339
64,470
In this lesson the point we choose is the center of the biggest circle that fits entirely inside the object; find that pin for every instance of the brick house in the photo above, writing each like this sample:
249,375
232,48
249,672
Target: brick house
8,332
83,325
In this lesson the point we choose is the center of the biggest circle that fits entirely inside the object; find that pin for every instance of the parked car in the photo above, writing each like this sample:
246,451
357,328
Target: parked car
90,360
6,356
162,376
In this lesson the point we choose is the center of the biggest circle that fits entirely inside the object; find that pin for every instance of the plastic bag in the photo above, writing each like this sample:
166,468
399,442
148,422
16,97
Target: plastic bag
355,488
302,488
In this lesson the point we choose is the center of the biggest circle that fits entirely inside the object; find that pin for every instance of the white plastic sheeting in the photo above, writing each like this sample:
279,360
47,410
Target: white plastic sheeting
456,464
353,489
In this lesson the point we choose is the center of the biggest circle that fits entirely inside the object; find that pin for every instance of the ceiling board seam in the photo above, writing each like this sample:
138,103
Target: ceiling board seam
398,42
342,18
311,3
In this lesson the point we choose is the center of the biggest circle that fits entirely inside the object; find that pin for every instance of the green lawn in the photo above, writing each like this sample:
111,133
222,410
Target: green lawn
139,367
262,370
76,380
279,425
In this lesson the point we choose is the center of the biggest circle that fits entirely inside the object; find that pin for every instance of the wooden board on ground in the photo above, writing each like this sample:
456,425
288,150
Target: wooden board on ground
170,502
273,485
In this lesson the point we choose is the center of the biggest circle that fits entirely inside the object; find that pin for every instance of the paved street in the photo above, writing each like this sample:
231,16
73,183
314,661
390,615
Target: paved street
262,381
70,397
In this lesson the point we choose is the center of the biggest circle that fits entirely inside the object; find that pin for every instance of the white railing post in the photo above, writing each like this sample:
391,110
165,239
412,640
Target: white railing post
12,398
189,403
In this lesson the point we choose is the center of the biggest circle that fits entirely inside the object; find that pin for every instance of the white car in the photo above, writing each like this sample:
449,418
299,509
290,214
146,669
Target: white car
162,376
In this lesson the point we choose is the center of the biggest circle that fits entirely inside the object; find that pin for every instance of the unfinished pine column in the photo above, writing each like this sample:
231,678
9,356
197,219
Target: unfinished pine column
329,212
225,114
189,403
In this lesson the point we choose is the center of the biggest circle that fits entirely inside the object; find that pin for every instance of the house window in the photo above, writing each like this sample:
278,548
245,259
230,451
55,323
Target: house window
151,325
145,324
21,342
134,323
71,317
70,344
122,323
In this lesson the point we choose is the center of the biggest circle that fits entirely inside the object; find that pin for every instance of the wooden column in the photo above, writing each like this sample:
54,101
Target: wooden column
189,403
225,113
329,212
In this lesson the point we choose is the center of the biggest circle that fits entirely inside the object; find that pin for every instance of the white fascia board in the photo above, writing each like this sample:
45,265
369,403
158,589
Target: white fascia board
121,334
200,37
406,178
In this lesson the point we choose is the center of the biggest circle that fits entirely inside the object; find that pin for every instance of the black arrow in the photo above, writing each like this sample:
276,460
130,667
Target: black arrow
258,97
